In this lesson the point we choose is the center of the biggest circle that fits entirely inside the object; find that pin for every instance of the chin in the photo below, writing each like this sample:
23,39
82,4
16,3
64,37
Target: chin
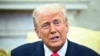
56,44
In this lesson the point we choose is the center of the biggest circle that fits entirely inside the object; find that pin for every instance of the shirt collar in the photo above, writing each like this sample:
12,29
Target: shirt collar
61,52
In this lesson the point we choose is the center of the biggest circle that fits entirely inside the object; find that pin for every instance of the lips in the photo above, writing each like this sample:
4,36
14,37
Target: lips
54,38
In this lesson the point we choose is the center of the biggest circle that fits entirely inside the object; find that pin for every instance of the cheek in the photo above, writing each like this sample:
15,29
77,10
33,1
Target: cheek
63,30
44,33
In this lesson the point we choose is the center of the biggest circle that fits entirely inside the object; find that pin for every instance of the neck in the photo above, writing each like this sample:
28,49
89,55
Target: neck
55,49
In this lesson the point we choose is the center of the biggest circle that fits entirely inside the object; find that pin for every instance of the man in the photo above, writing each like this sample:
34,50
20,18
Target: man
51,26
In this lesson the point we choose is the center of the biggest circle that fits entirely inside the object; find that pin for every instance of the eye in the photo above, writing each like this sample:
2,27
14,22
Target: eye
57,22
45,25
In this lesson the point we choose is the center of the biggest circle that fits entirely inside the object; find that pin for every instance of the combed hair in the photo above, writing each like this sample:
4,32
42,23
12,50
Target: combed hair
55,7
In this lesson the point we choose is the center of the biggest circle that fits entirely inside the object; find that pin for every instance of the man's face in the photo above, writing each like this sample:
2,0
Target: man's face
52,29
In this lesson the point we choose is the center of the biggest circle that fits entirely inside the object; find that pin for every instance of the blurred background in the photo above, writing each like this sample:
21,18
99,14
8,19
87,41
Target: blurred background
16,24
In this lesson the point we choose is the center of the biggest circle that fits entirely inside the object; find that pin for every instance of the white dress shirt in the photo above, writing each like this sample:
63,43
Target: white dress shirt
61,52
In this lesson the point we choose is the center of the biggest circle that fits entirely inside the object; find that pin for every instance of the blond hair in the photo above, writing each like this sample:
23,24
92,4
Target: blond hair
51,8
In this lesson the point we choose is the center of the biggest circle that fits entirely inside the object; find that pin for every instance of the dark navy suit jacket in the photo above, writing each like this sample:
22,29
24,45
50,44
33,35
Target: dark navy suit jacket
37,49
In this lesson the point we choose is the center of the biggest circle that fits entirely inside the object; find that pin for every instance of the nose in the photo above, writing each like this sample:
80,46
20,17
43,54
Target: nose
53,29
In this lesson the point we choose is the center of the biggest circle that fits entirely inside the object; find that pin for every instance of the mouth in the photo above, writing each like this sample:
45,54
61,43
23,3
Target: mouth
54,38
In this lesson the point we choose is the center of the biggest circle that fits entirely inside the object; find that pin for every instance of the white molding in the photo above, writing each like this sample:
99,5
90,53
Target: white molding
30,5
12,33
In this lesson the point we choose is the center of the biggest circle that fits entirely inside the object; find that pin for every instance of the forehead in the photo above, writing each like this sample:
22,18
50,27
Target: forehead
50,16
49,13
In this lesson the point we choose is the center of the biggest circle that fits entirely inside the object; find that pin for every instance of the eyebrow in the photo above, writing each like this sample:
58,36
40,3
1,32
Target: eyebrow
56,20
45,23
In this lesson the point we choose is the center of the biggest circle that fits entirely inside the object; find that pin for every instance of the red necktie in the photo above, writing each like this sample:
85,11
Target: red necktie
54,54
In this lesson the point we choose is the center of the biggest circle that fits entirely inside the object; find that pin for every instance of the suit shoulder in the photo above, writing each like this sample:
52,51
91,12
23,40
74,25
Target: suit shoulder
82,49
26,48
28,45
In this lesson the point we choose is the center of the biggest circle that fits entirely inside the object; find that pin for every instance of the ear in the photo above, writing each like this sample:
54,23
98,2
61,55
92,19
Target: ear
37,32
67,27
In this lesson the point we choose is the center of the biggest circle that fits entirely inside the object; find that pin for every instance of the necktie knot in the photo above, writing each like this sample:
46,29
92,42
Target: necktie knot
54,54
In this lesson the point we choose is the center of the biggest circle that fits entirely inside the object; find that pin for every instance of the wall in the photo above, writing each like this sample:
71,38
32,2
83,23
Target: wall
90,18
14,26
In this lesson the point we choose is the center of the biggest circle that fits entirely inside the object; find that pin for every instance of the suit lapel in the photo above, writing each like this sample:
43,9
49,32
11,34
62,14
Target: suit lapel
70,49
39,50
